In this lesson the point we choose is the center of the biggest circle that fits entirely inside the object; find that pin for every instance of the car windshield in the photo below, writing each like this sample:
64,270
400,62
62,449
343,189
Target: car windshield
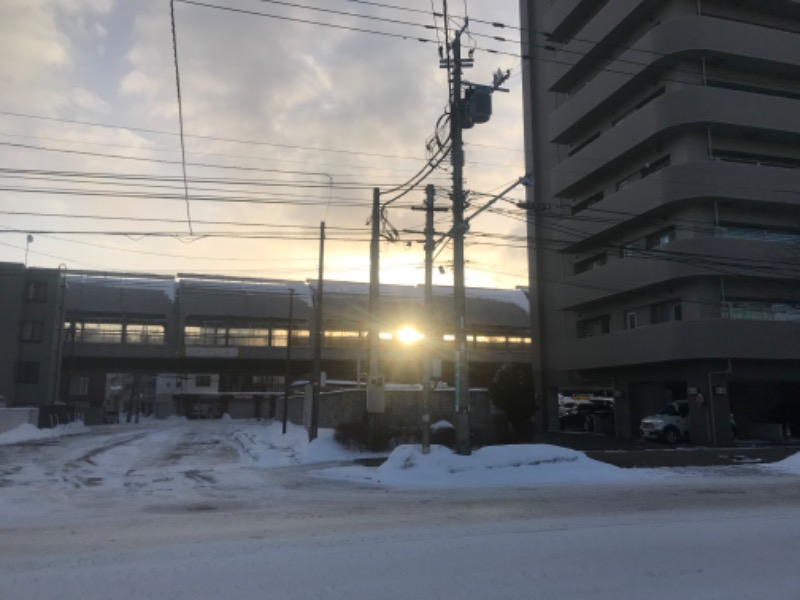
670,410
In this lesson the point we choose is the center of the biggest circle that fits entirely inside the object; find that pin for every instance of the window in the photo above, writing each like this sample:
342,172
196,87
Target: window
205,335
587,264
755,89
646,171
587,202
633,248
301,338
761,310
594,326
100,333
639,106
582,145
667,312
340,339
751,158
31,331
144,333
494,342
248,336
660,238
202,380
631,320
78,386
36,291
655,166
27,372
786,236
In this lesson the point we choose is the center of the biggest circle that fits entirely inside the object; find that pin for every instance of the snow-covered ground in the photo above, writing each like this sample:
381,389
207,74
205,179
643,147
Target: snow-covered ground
235,509
73,467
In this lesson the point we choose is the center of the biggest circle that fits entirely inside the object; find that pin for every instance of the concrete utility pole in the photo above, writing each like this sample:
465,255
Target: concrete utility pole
316,379
287,379
430,334
375,388
463,445
465,112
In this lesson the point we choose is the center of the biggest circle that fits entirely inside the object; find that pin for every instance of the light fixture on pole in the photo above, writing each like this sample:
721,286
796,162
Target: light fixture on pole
27,245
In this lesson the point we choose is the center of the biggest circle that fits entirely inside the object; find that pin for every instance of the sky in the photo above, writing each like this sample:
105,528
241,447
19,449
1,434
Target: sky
289,120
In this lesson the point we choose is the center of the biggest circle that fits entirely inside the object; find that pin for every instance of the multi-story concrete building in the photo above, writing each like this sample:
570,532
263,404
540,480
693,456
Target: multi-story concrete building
31,303
665,140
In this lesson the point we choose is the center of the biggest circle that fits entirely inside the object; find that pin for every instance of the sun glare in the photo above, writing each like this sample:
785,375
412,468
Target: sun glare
409,335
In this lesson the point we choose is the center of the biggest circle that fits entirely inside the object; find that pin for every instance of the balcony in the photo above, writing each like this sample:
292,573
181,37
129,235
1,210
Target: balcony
727,110
684,340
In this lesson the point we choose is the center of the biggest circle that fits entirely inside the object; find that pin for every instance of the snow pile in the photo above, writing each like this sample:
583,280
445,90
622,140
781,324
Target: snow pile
267,446
518,465
790,465
31,433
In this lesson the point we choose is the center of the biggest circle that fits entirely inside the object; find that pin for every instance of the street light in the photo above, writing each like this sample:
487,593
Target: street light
27,245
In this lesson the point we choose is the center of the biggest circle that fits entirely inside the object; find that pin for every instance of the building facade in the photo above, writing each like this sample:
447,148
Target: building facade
31,304
665,235
105,342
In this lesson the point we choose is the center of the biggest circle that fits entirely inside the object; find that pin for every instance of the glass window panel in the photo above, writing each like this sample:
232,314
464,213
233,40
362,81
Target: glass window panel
145,333
280,338
195,335
248,337
301,338
102,333
341,339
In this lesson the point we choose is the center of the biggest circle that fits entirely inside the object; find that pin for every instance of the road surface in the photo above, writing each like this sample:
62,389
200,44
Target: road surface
123,514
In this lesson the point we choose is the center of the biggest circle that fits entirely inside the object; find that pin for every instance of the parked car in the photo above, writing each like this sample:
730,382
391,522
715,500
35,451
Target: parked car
583,414
670,424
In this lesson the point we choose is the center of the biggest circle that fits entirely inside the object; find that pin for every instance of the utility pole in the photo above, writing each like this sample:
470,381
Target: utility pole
463,445
288,376
474,108
316,379
376,401
430,346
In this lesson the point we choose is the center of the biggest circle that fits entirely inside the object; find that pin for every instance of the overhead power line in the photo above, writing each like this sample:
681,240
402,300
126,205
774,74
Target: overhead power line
333,25
207,137
180,112
345,185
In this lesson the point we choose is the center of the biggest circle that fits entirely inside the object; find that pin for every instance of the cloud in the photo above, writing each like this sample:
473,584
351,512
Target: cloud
88,101
295,87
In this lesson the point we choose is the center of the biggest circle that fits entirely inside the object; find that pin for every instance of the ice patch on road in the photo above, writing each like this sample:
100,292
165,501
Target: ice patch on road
495,466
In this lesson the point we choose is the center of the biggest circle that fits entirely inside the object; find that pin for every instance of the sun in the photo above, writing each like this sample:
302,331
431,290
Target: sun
408,335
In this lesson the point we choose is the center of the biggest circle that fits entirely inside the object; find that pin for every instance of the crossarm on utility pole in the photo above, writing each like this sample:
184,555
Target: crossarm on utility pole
527,181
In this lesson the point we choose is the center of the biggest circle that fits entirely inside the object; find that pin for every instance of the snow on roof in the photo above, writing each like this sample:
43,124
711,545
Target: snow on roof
516,297
278,288
166,286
